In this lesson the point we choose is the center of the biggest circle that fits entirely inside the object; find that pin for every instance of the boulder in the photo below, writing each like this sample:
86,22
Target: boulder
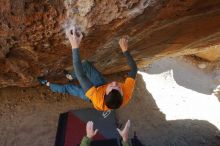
33,43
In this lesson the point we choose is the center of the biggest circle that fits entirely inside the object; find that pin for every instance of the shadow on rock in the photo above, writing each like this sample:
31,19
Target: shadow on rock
153,129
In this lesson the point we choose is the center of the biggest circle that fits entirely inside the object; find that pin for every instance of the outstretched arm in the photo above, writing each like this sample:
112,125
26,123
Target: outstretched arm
124,133
124,47
90,133
75,38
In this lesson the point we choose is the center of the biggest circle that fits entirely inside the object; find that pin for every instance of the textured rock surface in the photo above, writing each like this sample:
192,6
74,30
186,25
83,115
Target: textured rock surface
210,54
32,41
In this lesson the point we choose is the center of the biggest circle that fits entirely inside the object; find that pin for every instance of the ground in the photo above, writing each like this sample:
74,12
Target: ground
29,116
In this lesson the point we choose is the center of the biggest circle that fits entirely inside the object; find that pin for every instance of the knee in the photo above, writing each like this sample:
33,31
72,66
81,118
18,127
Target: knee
86,63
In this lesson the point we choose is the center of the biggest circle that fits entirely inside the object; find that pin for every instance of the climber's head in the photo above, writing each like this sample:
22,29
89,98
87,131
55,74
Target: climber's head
113,95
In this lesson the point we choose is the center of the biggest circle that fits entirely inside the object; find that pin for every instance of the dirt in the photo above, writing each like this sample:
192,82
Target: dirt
29,117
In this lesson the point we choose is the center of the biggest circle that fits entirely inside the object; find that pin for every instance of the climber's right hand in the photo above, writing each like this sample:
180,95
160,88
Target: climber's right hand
74,37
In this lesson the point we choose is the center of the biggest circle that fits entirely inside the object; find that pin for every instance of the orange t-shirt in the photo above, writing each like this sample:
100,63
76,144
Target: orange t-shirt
96,95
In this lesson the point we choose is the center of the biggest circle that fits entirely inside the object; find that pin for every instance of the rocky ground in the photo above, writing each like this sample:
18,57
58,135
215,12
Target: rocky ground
29,116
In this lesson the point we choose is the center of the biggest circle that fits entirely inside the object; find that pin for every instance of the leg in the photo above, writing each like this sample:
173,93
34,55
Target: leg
69,89
92,73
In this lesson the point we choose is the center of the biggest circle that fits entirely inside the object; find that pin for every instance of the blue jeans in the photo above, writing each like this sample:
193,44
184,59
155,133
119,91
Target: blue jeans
92,74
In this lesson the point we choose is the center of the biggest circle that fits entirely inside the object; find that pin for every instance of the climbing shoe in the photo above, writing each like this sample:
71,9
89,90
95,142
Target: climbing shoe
68,75
42,81
65,72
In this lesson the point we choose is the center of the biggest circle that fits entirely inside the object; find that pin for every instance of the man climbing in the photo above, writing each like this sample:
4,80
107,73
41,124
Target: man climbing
90,133
93,87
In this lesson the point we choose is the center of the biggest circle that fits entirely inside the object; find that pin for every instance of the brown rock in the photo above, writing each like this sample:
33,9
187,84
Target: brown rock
211,54
32,41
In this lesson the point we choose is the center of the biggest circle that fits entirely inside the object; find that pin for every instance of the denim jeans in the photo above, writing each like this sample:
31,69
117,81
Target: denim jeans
76,90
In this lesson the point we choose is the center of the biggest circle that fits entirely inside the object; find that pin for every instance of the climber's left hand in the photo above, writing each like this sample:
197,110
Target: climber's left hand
74,36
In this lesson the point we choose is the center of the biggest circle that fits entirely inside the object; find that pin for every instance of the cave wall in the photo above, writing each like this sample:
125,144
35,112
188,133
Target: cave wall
211,54
33,43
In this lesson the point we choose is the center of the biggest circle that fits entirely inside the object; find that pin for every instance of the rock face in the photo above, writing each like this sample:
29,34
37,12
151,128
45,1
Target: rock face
210,54
32,41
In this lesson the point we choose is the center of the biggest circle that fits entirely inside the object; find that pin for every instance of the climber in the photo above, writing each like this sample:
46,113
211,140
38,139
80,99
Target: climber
93,87
90,133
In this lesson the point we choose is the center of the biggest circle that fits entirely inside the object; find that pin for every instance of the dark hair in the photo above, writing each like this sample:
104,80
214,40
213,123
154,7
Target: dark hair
113,100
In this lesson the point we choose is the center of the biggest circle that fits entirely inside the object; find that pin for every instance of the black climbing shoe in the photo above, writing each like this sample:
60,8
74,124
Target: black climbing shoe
42,81
66,73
